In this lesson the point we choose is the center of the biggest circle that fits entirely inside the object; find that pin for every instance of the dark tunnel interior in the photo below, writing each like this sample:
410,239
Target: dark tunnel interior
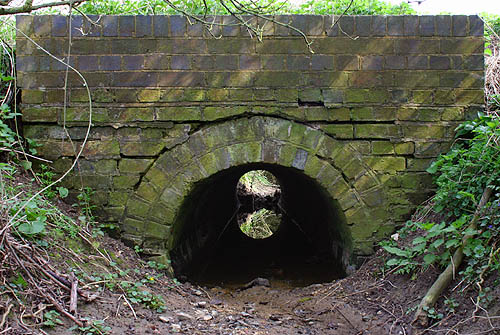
308,247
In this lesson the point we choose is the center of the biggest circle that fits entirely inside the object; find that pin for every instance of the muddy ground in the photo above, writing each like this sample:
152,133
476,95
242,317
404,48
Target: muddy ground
372,300
367,302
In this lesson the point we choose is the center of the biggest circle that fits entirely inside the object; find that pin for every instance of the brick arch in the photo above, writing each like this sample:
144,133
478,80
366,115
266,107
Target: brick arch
150,216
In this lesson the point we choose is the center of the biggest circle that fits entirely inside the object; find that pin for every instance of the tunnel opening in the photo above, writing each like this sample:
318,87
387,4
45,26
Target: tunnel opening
259,215
310,244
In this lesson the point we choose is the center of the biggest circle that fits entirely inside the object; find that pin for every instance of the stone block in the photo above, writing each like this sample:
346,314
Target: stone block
109,26
126,26
181,79
459,25
178,25
160,26
143,26
342,131
363,25
249,62
404,148
379,25
387,164
424,131
134,62
382,148
376,131
346,63
443,25
395,25
427,25
109,63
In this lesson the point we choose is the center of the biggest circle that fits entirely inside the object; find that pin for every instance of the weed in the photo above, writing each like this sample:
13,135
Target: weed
94,327
51,319
136,294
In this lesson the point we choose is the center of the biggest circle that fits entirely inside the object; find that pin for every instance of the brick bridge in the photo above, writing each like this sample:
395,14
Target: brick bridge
179,116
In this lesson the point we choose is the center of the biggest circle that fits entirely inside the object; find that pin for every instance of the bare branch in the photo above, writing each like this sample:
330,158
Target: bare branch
28,7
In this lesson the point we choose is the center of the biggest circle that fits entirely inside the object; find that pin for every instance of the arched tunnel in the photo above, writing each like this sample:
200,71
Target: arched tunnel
311,244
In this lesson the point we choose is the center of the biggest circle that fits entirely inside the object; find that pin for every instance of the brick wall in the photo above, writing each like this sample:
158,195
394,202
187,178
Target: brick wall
391,87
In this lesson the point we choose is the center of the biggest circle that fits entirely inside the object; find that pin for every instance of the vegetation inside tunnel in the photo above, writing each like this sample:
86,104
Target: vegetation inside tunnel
309,246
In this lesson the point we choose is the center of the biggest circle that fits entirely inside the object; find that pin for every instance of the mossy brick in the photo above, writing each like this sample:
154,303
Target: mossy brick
444,97
155,62
254,150
32,96
424,131
328,176
343,157
147,192
328,147
148,95
464,46
430,149
387,163
132,226
310,95
134,165
313,164
418,114
178,114
113,214
56,96
270,151
102,95
376,131
332,97
277,79
362,147
354,169
467,97
215,113
217,94
137,207
194,95
374,197
365,182
269,62
342,131
104,149
296,133
158,178
404,148
311,139
171,95
141,148
416,46
382,148
163,213
62,165
421,96
118,199
230,46
153,230
418,164
452,114
37,114
125,182
418,79
347,199
209,163
108,167
238,153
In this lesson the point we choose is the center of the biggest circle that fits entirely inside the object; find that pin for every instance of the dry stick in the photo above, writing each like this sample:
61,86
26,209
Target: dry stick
4,316
446,276
74,295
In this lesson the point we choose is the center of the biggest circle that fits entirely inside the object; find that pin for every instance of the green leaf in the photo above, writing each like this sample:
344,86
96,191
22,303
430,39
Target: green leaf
452,243
63,191
420,239
26,165
437,243
429,259
396,251
433,168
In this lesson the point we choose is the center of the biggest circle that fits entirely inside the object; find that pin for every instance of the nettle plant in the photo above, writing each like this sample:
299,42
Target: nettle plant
461,176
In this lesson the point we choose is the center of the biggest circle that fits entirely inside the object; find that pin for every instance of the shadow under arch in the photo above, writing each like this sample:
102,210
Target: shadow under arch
311,242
